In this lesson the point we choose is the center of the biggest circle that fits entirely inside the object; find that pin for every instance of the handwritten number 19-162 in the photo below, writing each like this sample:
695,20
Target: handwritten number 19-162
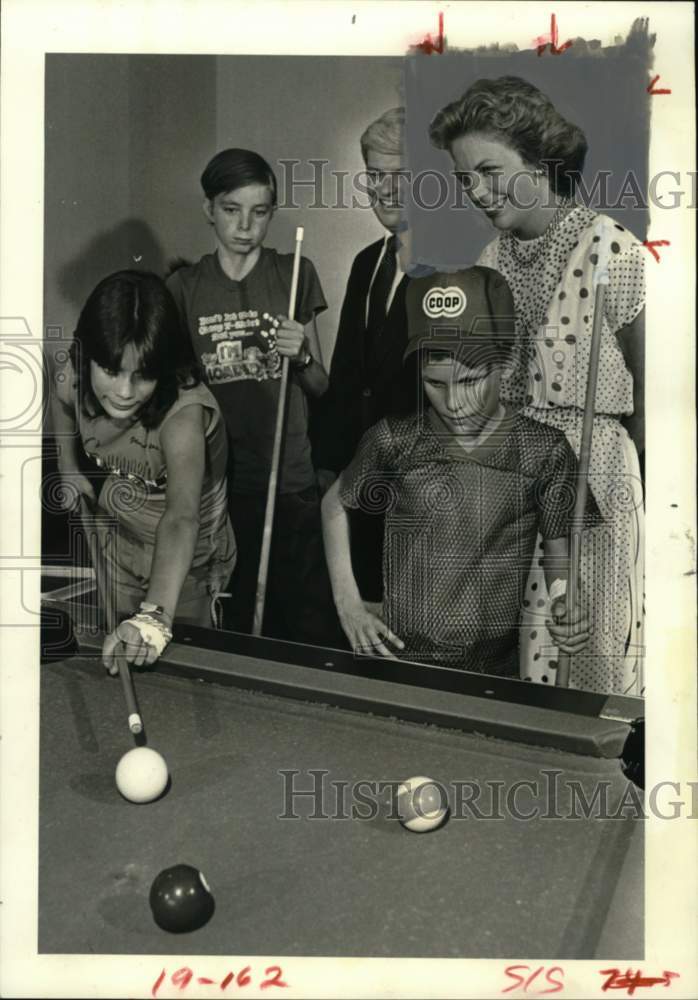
182,977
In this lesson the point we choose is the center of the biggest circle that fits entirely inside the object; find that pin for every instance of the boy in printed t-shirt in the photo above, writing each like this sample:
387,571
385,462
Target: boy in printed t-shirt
465,483
234,302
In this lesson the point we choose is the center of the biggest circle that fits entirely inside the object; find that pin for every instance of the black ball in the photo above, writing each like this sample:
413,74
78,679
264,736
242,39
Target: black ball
181,899
633,755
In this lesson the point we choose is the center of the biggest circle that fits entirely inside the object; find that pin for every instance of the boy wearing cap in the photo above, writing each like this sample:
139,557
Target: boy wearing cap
465,483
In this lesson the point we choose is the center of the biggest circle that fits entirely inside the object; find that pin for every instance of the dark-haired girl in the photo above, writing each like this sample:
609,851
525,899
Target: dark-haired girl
130,397
519,159
235,304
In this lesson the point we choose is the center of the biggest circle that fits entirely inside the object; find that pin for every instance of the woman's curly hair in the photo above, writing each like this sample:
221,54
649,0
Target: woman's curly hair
521,116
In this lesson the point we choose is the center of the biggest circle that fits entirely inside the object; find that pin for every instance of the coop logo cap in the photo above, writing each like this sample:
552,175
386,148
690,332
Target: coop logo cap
473,307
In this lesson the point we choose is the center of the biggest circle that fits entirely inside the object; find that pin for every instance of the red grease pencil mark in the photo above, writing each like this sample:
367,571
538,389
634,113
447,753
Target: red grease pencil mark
275,980
427,46
651,244
651,90
524,978
182,977
630,981
550,41
158,983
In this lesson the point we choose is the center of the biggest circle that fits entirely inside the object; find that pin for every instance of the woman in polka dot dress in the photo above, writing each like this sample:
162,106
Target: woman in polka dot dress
517,159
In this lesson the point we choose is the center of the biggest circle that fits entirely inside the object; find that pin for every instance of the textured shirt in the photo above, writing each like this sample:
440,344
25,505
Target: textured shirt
460,526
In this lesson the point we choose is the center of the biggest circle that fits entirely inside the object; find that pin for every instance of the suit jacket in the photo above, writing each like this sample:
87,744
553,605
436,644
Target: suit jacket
365,378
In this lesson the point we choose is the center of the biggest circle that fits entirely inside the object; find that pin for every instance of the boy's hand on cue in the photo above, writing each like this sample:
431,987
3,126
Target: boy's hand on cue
290,338
366,631
569,631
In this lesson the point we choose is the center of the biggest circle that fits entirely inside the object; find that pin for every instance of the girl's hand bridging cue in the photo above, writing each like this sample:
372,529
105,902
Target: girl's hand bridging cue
140,640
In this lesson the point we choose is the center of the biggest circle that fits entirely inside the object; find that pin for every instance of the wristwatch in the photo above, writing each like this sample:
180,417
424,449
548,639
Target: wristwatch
300,364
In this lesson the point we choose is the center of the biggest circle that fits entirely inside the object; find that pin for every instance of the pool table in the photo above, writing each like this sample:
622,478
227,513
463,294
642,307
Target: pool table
239,719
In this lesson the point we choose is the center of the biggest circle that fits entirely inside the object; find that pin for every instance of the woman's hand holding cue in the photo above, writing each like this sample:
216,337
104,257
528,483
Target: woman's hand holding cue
366,630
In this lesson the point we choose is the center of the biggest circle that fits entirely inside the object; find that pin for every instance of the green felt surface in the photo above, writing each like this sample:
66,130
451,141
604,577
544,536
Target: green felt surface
475,888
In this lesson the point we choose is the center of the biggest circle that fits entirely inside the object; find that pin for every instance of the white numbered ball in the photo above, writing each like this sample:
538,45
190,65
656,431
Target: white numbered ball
422,804
141,775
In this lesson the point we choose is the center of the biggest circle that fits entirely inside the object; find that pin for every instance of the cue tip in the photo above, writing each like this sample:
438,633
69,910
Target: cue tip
135,724
299,234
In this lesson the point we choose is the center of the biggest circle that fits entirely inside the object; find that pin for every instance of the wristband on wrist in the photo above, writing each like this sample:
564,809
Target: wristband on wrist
153,631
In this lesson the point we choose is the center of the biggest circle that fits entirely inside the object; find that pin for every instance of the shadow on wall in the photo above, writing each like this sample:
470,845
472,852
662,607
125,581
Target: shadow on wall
131,244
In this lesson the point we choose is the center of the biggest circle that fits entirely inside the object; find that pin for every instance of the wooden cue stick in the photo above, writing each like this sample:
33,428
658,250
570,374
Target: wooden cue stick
562,678
262,575
135,723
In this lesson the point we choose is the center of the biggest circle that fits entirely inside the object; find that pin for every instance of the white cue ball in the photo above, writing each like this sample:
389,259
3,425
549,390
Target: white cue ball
422,804
141,775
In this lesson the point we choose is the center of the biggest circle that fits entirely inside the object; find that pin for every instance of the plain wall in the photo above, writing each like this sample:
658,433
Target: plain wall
121,141
127,138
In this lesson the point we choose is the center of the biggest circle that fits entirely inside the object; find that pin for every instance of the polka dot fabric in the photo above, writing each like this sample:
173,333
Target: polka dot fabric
555,314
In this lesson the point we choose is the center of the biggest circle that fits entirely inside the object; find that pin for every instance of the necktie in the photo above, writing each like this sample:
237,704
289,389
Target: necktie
380,290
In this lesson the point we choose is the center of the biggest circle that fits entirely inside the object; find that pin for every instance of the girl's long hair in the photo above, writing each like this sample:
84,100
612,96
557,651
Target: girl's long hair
134,308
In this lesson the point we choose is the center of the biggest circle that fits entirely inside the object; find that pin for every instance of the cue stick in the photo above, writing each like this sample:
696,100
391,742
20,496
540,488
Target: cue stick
135,723
562,678
262,575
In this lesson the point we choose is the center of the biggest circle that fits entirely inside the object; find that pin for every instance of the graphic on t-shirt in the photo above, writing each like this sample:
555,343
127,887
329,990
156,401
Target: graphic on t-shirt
135,472
245,346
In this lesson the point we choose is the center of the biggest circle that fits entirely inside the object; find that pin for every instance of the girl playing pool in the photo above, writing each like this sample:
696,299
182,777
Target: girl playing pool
131,399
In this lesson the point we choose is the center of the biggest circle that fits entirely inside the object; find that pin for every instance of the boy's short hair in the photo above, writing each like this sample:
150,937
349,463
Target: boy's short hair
386,134
236,168
469,314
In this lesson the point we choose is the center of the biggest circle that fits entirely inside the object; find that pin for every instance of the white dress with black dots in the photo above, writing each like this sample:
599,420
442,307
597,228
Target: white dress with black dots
554,300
